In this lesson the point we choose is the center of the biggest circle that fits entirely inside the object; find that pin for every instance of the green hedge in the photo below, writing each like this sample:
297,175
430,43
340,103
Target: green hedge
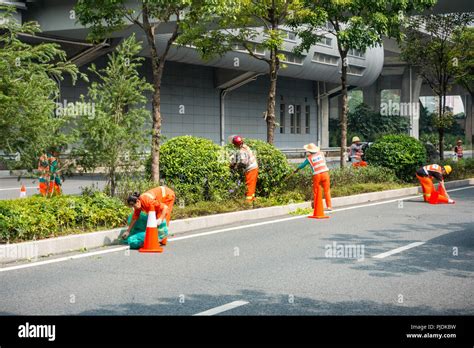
462,169
38,217
341,177
401,153
196,168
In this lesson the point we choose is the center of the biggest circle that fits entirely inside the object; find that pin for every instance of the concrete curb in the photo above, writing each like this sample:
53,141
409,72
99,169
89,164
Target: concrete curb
34,249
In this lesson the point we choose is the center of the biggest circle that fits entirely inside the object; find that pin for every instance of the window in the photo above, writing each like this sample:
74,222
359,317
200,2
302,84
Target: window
355,53
298,119
288,35
325,41
325,58
282,118
256,48
355,70
292,58
307,119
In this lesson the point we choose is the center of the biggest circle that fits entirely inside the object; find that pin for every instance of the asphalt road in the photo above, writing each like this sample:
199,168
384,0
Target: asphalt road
279,267
10,187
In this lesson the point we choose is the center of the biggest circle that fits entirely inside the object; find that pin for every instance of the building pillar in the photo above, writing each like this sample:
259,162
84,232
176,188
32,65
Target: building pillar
409,99
324,115
469,112
372,95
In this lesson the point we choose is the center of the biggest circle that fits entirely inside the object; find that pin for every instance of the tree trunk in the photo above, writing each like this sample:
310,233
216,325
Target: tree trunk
441,129
343,117
157,65
113,182
271,100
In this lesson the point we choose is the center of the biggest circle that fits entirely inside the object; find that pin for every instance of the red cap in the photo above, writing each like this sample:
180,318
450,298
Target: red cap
237,140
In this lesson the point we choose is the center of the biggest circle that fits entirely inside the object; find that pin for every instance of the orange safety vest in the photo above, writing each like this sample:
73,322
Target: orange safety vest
433,168
318,163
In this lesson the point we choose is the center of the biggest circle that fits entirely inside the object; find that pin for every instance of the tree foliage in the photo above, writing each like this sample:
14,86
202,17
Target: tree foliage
114,137
356,24
28,92
430,47
252,26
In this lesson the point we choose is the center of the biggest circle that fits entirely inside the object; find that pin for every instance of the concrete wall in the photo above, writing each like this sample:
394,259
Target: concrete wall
190,89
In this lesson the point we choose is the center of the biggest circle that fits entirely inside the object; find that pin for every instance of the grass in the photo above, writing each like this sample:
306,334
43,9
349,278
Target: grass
210,208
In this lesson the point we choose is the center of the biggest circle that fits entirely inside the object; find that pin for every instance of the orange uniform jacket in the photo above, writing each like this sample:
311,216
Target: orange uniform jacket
156,200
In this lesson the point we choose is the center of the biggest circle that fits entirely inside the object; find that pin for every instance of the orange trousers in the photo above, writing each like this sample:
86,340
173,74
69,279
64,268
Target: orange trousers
323,180
169,201
428,187
251,183
359,164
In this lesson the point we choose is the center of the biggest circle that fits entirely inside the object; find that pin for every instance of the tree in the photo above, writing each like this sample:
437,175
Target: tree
114,137
430,47
241,23
105,17
464,61
28,92
356,25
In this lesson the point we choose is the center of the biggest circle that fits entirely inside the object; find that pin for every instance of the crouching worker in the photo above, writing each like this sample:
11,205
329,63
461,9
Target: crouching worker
315,158
161,200
426,175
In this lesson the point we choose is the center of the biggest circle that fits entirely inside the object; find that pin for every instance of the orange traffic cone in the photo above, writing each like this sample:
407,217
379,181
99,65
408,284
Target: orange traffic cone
319,209
22,191
151,244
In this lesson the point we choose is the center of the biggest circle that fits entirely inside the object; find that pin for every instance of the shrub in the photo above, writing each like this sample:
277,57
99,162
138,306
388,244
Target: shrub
346,177
401,153
462,169
272,163
196,168
38,217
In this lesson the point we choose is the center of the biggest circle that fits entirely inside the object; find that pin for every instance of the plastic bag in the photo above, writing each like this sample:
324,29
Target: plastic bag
137,235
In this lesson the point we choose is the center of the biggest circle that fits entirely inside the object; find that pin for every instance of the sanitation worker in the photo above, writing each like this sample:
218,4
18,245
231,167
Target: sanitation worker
246,159
43,170
356,153
426,175
161,200
458,151
316,160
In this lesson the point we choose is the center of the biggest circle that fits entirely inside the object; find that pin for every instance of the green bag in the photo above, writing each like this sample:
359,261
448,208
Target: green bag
137,235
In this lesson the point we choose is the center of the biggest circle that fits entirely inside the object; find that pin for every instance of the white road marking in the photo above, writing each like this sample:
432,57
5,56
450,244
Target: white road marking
18,188
397,250
222,308
72,257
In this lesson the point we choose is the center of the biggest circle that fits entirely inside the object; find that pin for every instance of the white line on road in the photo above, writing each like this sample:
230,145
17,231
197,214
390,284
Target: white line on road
222,308
73,257
17,188
397,250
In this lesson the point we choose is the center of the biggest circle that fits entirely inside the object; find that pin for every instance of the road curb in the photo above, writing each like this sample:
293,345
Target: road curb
40,248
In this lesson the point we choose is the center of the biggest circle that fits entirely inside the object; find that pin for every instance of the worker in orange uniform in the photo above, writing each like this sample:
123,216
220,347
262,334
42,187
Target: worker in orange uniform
426,175
43,170
356,153
245,158
315,158
160,200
